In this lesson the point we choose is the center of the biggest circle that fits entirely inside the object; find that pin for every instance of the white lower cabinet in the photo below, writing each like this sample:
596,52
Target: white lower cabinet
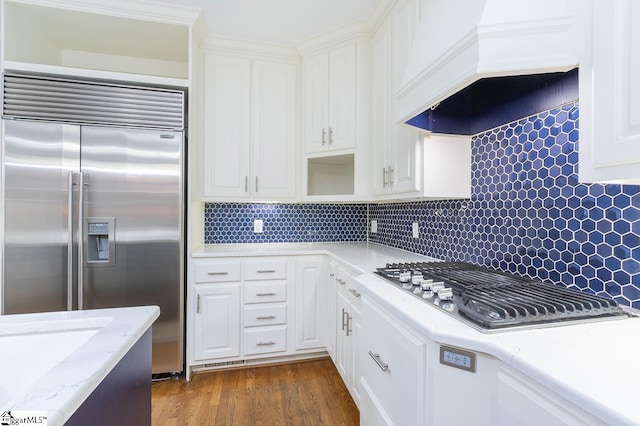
254,309
521,401
310,304
394,370
265,339
217,323
349,329
329,319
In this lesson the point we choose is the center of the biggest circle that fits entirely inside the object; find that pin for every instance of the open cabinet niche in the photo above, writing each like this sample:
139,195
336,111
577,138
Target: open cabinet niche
332,175
58,37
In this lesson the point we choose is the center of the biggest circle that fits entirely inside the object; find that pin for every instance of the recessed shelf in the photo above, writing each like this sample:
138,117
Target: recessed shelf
58,37
331,175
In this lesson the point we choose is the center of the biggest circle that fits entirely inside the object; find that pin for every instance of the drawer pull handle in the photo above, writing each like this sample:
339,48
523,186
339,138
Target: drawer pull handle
376,358
269,343
341,282
265,294
266,271
266,317
355,293
217,273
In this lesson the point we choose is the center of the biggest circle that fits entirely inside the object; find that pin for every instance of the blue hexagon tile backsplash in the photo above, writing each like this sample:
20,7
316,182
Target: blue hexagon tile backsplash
528,214
226,223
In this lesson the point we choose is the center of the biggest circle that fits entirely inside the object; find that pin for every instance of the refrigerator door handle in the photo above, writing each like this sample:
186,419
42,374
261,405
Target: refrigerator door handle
70,242
80,239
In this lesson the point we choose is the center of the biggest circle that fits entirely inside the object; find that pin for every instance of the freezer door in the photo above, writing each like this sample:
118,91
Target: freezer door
133,209
40,161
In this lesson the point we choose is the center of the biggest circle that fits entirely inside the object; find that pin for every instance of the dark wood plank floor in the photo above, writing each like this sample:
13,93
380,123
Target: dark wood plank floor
302,393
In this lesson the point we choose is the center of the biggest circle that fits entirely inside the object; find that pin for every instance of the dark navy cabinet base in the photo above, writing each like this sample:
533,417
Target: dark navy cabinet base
124,396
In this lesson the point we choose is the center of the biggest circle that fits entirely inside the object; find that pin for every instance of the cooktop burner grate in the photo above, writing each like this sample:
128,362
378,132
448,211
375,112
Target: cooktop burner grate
495,299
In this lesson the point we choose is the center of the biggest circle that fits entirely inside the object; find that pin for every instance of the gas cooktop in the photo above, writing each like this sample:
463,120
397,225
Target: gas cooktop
491,300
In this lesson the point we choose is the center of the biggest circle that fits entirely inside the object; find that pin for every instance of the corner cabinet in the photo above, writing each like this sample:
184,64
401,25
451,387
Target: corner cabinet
610,94
348,331
396,147
250,128
311,302
329,92
408,162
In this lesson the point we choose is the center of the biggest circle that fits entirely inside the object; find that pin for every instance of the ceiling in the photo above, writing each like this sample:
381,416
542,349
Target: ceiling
281,21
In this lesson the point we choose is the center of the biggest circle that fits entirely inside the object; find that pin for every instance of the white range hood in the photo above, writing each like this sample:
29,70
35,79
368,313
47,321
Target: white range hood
458,42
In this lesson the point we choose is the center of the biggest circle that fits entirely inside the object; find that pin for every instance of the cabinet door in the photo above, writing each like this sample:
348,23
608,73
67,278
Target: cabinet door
274,130
523,402
386,341
342,98
610,95
217,321
310,306
329,317
355,331
381,108
315,76
405,147
342,343
227,131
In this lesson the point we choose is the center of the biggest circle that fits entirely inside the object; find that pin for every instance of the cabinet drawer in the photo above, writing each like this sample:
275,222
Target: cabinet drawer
255,270
216,271
267,314
393,358
260,340
347,283
265,292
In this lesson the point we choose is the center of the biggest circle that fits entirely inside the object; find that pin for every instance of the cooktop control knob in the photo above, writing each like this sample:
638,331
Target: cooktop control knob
445,294
405,276
417,278
437,286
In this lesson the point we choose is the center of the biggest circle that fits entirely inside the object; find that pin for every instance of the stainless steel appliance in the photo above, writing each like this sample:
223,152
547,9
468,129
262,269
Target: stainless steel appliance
93,202
491,300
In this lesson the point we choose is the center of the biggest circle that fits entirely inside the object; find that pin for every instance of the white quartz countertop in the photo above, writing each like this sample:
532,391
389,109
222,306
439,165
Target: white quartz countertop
594,365
51,362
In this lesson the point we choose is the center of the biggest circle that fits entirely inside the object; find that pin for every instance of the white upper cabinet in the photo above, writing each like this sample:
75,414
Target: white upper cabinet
250,128
227,126
407,162
274,130
610,94
396,146
329,92
121,41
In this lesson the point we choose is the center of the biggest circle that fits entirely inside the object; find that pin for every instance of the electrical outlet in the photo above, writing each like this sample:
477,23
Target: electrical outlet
258,226
374,226
416,230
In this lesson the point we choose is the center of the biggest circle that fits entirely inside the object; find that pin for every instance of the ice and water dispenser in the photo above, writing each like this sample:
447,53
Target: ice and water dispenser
100,241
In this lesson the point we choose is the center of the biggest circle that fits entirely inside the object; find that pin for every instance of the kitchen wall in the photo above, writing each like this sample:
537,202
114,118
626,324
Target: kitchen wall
284,223
528,213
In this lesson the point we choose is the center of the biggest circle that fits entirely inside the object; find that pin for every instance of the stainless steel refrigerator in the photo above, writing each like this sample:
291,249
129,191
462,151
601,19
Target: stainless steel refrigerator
93,218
